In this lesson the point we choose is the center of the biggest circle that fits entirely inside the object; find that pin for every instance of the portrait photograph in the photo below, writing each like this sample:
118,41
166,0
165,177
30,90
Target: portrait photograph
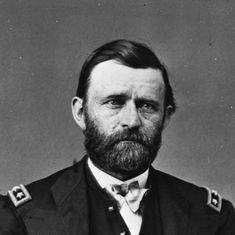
117,117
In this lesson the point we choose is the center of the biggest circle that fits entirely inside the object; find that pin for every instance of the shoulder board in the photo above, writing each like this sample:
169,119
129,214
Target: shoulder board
19,195
214,200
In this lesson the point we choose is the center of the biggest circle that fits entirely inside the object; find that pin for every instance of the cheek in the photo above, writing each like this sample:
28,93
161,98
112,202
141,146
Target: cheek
153,121
107,124
108,121
151,127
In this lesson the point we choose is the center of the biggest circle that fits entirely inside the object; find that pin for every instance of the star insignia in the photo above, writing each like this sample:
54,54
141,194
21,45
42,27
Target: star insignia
19,195
214,201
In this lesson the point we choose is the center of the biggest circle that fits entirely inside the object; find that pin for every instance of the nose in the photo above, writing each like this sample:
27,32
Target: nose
130,117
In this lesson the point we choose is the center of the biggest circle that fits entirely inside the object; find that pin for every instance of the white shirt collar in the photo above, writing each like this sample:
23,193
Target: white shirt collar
105,179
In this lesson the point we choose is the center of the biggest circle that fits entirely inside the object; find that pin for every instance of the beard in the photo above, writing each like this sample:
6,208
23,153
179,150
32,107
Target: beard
129,150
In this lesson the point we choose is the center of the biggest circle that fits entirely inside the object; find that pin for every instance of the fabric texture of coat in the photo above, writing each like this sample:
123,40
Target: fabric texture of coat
59,206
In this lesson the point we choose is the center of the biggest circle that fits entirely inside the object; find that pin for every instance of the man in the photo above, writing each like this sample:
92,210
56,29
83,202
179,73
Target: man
124,101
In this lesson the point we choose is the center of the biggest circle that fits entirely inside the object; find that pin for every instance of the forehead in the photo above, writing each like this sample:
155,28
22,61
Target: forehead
112,77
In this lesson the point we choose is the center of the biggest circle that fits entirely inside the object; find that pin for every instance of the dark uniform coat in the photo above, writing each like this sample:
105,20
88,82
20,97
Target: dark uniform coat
59,206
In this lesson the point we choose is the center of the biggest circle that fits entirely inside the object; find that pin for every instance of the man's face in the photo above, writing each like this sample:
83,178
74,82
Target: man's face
124,116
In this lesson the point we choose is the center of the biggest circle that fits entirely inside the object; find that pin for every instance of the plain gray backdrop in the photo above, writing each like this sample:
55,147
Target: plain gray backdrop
43,45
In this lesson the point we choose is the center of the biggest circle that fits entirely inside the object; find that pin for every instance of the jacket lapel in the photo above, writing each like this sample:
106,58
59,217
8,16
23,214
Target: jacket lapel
70,194
174,209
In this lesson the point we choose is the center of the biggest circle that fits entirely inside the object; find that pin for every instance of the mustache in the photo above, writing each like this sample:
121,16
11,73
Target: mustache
128,135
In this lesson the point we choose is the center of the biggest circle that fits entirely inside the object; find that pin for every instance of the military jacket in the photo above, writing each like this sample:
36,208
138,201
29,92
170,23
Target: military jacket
58,205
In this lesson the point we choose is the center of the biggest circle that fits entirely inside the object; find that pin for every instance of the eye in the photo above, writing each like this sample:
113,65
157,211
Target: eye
147,106
115,103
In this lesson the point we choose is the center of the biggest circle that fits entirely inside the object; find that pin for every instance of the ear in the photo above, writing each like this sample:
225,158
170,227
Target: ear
77,110
168,113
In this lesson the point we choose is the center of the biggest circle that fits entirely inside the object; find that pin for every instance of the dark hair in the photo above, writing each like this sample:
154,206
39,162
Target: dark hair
129,53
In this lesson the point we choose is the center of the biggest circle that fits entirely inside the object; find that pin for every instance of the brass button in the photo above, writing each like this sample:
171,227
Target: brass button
111,208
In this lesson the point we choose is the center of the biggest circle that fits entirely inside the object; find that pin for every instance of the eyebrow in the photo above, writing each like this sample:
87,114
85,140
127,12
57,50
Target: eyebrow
137,99
118,95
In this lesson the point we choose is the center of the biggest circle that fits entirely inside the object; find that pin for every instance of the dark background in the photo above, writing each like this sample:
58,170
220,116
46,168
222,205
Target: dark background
43,45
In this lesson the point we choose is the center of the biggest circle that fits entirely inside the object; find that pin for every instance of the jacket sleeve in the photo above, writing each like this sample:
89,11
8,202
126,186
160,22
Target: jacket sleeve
229,226
10,223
